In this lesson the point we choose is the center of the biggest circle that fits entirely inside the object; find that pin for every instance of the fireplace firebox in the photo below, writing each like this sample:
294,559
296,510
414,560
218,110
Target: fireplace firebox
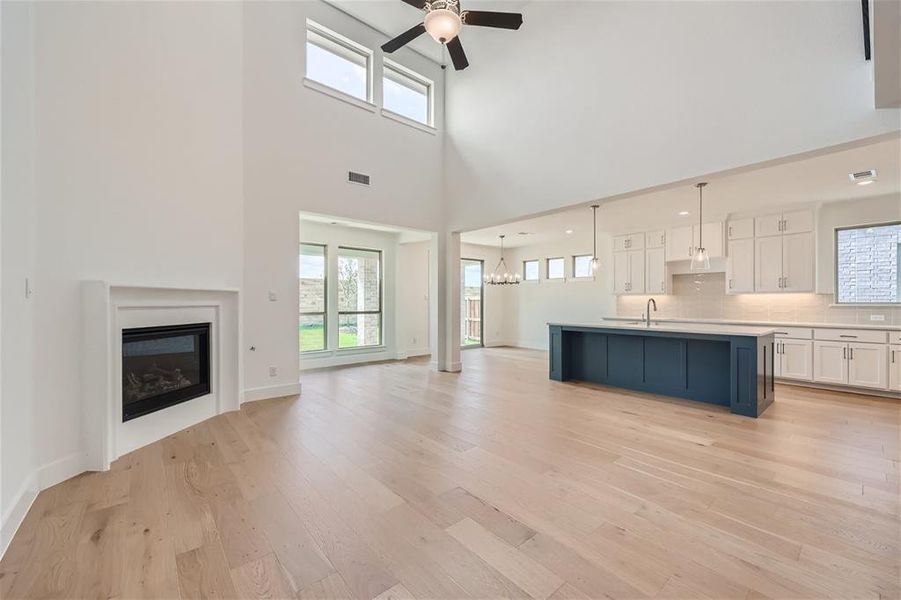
163,366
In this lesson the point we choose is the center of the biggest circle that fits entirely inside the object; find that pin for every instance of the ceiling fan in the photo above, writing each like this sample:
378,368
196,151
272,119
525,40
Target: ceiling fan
443,21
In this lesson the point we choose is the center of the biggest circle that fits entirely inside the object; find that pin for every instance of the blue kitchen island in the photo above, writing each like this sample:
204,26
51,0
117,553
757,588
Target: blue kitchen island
717,364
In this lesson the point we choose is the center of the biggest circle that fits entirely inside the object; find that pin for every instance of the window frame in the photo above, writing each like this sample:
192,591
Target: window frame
575,273
548,268
537,275
390,65
380,312
348,45
835,292
325,310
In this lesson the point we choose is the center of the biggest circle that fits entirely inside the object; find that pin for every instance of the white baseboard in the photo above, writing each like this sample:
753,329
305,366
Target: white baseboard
61,470
15,514
411,352
529,345
271,391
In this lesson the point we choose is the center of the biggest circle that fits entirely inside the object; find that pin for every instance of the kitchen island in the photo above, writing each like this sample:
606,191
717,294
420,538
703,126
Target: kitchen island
729,365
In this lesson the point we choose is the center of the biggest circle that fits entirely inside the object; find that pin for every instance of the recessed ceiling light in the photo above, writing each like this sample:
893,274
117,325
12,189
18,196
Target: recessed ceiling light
683,213
569,231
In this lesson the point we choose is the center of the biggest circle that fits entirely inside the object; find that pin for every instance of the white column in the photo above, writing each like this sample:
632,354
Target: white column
444,305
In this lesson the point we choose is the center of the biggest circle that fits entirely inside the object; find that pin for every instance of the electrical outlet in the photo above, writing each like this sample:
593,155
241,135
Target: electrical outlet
414,340
877,317
273,371
273,297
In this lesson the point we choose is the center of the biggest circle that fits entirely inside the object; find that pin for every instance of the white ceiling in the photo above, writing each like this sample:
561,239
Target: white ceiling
393,17
820,179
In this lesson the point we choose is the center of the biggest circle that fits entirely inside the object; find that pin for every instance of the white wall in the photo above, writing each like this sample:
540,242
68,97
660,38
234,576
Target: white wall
593,99
413,299
18,467
299,145
139,172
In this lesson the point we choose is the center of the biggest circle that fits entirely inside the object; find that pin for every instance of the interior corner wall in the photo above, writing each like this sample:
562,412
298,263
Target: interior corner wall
18,466
594,99
139,155
299,144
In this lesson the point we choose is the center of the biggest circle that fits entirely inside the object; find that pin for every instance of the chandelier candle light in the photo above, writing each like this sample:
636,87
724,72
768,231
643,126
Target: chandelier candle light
700,261
502,276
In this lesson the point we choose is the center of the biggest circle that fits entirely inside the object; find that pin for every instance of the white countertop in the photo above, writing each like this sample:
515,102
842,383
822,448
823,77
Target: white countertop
762,323
710,328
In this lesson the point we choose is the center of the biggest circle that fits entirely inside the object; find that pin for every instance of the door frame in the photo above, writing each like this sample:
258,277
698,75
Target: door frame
481,262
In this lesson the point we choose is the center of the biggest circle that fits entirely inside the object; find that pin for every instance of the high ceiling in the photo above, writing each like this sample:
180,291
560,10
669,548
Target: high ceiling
819,179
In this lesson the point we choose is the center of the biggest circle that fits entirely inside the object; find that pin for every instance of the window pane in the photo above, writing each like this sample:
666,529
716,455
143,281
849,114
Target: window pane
555,268
359,280
405,96
355,331
312,278
336,66
530,270
312,332
867,264
582,266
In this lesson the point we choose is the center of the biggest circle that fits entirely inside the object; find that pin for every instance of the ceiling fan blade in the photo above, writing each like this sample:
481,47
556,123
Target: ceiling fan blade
455,49
487,18
420,4
403,39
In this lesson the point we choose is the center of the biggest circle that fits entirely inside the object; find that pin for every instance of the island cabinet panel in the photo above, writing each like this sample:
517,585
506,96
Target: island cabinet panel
664,364
625,360
708,367
587,354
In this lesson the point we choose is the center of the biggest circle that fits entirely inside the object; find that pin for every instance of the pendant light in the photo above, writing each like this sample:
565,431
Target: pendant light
700,261
595,263
502,276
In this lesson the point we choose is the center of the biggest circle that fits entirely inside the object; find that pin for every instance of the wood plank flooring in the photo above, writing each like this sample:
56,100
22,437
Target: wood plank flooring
390,481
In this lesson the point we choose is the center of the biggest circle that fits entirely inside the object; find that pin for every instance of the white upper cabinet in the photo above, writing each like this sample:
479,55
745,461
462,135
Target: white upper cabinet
655,239
628,272
740,229
633,241
768,225
797,262
867,365
712,238
655,271
740,271
679,243
636,271
797,221
768,264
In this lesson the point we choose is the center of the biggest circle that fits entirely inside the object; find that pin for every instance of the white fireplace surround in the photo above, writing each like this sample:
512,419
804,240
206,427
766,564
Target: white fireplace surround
107,309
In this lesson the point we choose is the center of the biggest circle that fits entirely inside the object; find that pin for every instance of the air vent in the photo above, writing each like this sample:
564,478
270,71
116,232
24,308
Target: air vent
358,178
862,177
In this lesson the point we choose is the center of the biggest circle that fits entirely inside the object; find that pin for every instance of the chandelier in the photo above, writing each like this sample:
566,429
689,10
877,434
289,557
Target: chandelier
502,276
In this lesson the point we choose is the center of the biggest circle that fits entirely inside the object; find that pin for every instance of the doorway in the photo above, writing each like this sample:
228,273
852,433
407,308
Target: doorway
472,296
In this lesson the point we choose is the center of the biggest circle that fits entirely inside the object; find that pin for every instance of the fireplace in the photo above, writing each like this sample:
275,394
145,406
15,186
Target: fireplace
163,366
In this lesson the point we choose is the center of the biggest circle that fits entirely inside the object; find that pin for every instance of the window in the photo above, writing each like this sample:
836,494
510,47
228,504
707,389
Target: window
359,298
530,270
555,268
582,266
312,327
337,62
867,263
406,93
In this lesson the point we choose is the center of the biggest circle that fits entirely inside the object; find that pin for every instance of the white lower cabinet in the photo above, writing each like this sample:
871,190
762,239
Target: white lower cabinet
894,368
867,365
795,359
830,362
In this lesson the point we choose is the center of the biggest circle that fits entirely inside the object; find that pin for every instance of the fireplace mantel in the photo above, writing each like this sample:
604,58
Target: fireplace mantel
107,309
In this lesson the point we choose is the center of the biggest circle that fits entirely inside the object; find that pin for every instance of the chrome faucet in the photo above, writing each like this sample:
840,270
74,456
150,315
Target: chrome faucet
647,313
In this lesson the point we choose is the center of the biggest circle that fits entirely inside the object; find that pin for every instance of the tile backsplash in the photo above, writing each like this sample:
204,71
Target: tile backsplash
703,295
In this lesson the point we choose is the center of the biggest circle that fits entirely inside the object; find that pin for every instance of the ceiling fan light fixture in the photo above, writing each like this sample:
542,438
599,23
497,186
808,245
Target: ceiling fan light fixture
443,24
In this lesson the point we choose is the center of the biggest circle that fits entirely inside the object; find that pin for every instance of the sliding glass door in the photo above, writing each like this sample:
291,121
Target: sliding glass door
472,298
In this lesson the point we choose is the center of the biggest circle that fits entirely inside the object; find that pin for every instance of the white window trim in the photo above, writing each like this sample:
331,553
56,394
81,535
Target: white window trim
352,46
408,121
582,277
330,91
547,268
422,80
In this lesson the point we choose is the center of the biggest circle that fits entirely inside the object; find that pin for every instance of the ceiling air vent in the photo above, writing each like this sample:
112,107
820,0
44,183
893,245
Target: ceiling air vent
358,178
863,177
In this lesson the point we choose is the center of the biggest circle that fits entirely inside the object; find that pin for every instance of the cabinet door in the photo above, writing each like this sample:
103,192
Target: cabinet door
620,243
797,262
740,278
894,368
656,271
712,238
768,225
797,221
777,360
867,365
796,357
635,241
768,264
620,272
830,362
678,243
636,272
655,239
740,229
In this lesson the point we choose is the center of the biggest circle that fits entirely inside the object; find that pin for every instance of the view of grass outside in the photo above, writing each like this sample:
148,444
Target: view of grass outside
311,338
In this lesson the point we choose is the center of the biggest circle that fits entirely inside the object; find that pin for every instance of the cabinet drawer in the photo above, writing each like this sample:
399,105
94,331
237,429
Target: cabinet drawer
797,333
851,335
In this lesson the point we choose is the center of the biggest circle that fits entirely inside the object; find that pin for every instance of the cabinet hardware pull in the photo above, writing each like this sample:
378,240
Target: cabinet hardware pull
782,333
730,284
730,230
764,370
847,336
784,282
844,353
893,357
851,353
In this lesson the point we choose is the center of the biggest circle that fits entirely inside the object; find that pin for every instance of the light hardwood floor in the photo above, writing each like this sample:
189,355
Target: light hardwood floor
392,481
